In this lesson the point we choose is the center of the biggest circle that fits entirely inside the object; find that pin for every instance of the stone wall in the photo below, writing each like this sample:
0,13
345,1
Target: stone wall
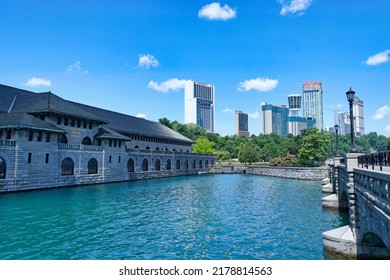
298,173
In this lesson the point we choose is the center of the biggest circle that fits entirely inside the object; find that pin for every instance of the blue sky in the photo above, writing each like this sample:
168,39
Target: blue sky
133,56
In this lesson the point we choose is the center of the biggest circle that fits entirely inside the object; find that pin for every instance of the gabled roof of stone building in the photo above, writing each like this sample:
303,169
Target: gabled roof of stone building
7,96
132,125
105,132
26,121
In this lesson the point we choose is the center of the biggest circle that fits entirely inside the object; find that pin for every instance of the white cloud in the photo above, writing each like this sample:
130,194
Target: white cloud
171,84
228,111
141,116
294,6
378,58
215,11
76,68
147,61
254,115
259,84
381,113
387,128
38,82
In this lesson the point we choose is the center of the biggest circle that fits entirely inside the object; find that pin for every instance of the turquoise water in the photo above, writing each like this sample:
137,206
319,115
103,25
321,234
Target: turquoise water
238,217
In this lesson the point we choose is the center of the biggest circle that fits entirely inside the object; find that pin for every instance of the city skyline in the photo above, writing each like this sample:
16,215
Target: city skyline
135,57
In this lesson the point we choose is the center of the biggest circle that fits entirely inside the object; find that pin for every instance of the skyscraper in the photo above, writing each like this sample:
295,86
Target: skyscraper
242,124
312,102
296,123
199,102
274,119
358,114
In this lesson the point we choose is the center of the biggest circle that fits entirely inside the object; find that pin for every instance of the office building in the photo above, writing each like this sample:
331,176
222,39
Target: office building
242,124
358,115
199,102
312,104
275,119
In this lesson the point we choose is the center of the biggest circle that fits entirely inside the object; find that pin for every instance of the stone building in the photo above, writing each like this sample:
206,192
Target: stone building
46,141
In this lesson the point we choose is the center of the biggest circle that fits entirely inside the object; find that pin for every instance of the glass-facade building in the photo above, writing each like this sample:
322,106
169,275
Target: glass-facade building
275,119
242,124
312,104
199,102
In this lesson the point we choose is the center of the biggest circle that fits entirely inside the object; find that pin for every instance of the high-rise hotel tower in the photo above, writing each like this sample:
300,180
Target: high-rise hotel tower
199,101
312,102
242,124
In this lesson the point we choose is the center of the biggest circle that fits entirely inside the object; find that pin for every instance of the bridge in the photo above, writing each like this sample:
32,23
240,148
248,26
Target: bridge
359,184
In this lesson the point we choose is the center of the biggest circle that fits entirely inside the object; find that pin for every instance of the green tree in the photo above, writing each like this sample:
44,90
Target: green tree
314,148
165,122
203,146
248,153
222,156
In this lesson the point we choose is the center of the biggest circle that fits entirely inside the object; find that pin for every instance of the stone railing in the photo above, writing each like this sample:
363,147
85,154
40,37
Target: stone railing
375,187
63,146
374,159
160,152
7,143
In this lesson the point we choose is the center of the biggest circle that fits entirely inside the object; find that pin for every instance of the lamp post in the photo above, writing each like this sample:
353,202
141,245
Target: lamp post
336,128
351,97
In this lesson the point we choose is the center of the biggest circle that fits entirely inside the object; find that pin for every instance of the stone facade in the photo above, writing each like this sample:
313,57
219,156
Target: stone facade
59,143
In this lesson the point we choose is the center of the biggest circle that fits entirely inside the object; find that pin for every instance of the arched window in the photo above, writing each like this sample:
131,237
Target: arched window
145,165
157,165
207,164
92,166
157,149
62,139
130,165
186,164
212,163
147,148
87,141
200,164
136,147
178,164
67,166
168,166
3,168
194,164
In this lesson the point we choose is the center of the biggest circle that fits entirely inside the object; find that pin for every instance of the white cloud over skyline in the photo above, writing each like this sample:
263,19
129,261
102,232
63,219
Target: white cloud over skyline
254,115
171,84
294,6
38,82
378,58
259,84
387,128
215,11
141,116
147,61
381,113
76,68
228,111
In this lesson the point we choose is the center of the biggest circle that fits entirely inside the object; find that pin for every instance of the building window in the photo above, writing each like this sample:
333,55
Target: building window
147,148
186,164
47,137
92,166
157,165
29,157
47,158
200,164
136,147
87,141
84,124
130,165
62,139
145,165
110,142
66,121
178,164
193,164
72,122
67,167
3,168
9,135
59,120
109,159
90,125
39,139
30,136
78,123
119,159
168,166
157,149
207,164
